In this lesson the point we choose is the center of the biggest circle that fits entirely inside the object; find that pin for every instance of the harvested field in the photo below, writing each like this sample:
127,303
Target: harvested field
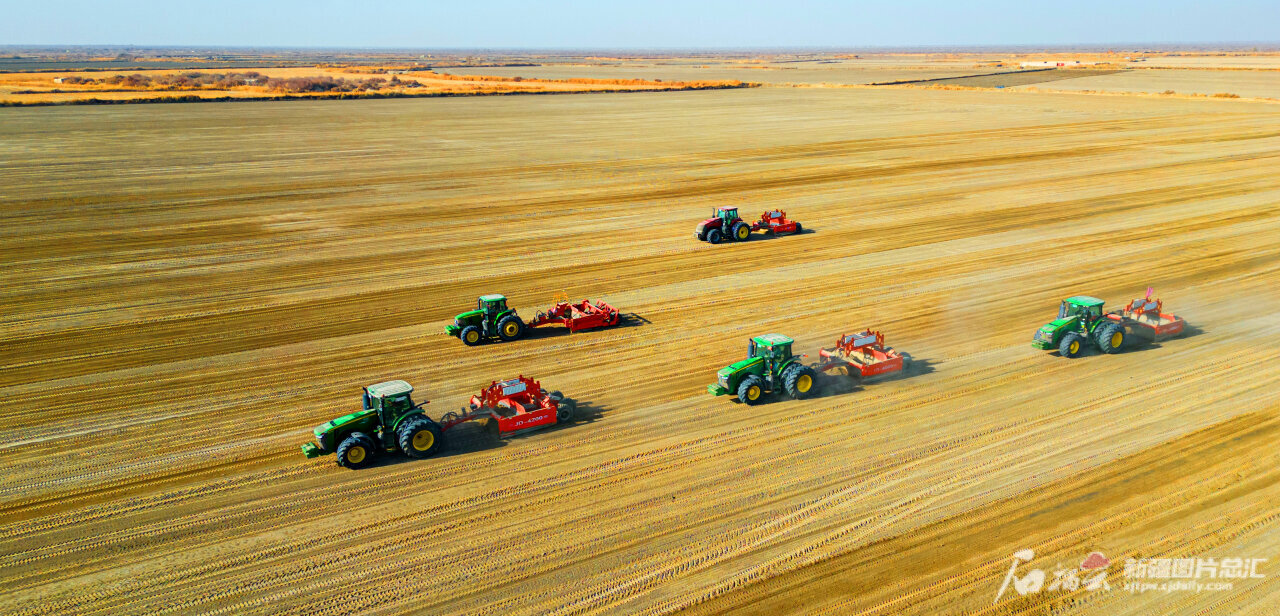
846,73
1017,78
1256,84
190,288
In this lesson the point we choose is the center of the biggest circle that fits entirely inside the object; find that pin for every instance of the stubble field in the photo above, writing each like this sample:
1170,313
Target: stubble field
190,288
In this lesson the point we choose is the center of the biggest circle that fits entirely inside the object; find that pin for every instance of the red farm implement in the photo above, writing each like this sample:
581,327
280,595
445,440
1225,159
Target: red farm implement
514,406
860,355
775,221
1144,318
577,316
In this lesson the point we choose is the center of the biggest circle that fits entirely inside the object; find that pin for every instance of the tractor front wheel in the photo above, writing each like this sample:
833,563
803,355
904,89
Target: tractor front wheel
470,335
751,390
356,451
419,438
1071,346
1110,337
798,230
510,328
799,381
714,236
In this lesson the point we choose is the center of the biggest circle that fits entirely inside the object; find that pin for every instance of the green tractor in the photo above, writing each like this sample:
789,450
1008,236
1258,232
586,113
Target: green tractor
769,367
389,421
490,319
1080,321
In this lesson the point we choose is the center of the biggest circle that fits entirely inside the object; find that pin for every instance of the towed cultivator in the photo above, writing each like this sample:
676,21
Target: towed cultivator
577,316
1144,319
860,355
514,406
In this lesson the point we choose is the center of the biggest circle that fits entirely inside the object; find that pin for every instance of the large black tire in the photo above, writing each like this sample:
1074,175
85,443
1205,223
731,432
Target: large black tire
565,410
420,437
356,451
714,236
1109,337
510,328
1071,346
798,229
471,335
800,381
751,390
741,232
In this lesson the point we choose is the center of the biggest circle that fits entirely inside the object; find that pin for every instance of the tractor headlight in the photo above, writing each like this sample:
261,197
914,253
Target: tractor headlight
724,381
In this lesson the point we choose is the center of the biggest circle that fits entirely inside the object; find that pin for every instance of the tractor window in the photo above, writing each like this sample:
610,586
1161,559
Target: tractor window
394,406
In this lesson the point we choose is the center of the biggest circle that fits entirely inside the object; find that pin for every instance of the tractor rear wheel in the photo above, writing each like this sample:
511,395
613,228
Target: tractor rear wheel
471,335
420,437
510,328
356,451
1071,346
741,231
799,381
714,236
1110,337
751,390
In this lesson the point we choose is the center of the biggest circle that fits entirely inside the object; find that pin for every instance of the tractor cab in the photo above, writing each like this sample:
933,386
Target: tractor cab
491,304
1085,307
770,346
726,214
391,400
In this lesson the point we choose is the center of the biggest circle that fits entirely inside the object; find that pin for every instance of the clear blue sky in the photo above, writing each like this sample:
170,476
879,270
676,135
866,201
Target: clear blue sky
568,24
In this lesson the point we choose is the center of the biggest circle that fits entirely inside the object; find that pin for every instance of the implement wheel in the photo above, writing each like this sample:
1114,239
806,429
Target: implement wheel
1110,337
420,437
1071,346
510,328
751,390
800,381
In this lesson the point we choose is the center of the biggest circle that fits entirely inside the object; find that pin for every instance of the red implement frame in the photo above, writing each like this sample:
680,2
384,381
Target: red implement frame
863,354
577,316
1144,317
515,405
775,221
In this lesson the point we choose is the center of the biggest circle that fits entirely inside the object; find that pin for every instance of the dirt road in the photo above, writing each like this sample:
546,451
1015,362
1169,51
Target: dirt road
190,288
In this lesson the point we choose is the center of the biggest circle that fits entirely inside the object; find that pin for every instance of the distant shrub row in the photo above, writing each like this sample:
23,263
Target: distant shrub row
221,81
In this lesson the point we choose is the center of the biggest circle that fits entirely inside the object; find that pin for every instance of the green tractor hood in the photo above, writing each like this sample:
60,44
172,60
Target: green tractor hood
312,450
453,329
724,375
1058,324
1047,337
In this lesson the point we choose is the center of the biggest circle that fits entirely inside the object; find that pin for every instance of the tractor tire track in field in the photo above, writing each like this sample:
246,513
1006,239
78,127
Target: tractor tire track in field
172,332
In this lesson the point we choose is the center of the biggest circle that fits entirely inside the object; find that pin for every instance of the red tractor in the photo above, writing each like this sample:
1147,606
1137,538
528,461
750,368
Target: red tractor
725,224
514,406
860,355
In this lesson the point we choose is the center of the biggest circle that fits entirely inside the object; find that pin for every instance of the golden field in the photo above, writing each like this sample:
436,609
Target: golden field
190,288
